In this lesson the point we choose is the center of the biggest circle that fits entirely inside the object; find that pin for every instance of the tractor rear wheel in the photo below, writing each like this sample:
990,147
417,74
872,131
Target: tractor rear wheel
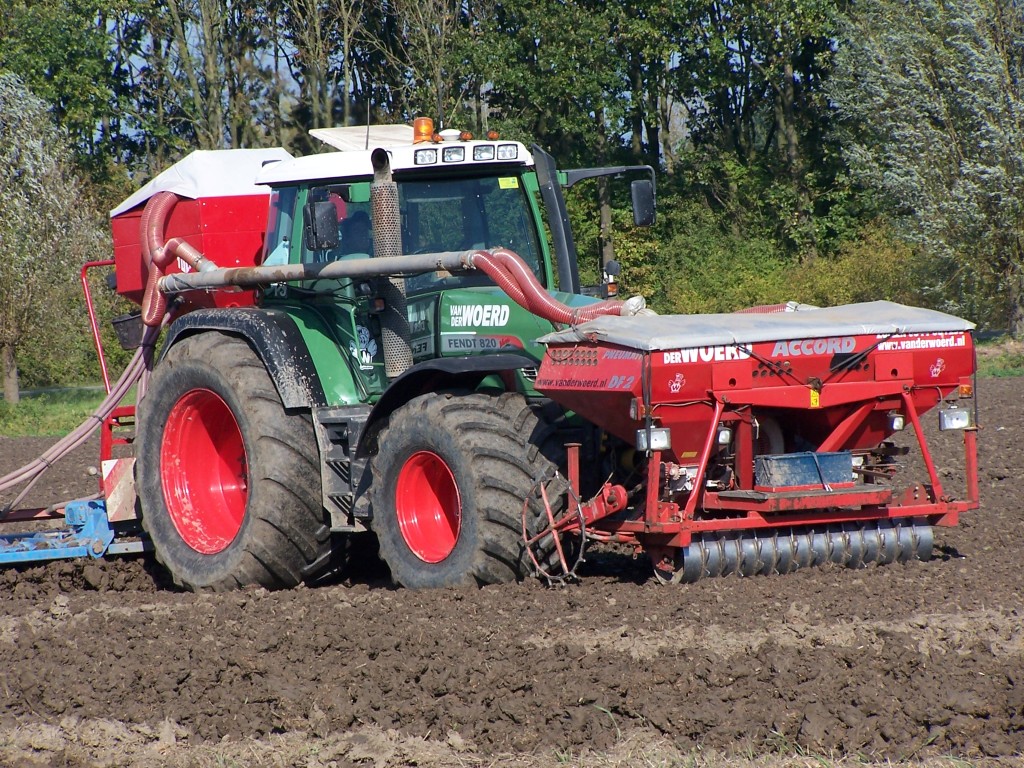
229,481
450,476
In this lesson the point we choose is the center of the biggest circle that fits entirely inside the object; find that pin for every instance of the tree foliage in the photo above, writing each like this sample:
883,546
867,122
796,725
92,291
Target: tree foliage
807,149
933,93
45,227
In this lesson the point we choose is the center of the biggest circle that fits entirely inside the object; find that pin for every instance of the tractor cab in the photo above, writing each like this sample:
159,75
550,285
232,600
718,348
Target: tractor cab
455,194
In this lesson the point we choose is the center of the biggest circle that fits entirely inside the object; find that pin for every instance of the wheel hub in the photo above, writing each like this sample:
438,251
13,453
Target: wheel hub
204,471
428,506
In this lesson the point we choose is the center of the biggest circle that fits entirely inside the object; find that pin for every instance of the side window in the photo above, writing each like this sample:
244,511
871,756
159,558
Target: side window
281,218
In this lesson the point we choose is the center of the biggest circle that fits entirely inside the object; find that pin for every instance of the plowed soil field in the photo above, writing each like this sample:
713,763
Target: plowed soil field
104,663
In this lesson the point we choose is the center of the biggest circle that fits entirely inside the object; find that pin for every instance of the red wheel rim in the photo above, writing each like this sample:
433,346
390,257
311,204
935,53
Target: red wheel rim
204,471
428,507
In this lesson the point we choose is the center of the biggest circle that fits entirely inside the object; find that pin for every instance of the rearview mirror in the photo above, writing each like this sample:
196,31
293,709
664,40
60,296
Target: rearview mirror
320,226
642,191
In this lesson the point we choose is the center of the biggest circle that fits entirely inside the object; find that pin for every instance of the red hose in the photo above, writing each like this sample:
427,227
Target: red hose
494,270
542,299
158,254
180,248
151,229
512,275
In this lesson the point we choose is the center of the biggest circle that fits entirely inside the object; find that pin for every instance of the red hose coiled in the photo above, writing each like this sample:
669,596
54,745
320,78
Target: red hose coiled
156,256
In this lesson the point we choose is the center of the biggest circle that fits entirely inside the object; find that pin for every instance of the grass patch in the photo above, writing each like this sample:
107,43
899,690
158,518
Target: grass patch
50,412
1004,357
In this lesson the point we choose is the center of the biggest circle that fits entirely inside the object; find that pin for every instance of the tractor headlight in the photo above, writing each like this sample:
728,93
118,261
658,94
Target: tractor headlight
954,418
425,156
453,154
897,421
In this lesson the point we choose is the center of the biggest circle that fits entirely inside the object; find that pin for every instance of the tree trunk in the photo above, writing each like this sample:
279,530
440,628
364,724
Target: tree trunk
1016,300
789,144
10,366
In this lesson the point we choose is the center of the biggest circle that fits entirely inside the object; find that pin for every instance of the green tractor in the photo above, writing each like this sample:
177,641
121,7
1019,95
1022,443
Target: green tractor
345,373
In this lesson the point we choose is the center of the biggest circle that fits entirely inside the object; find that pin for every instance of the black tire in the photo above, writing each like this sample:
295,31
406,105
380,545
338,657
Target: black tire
450,476
214,438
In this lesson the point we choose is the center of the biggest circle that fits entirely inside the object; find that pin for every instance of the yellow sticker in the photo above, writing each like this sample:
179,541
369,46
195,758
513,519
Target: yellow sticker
815,399
508,182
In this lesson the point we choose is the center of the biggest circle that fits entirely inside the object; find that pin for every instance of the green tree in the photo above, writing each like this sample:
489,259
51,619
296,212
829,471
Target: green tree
59,48
932,94
45,225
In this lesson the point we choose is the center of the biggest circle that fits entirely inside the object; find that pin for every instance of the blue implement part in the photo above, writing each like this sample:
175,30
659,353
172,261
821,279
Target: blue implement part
87,533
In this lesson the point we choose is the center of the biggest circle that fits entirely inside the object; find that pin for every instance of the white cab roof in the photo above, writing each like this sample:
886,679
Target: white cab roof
209,173
356,163
356,138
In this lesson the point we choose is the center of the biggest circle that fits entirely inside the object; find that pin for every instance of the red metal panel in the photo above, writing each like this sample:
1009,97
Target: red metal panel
227,230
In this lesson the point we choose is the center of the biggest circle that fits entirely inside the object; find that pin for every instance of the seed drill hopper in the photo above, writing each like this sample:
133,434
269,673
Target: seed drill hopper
759,442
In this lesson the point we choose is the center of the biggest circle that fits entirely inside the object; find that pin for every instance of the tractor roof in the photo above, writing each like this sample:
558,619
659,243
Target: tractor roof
358,142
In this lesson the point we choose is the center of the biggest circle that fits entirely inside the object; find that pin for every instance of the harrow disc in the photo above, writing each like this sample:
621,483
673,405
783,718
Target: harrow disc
852,545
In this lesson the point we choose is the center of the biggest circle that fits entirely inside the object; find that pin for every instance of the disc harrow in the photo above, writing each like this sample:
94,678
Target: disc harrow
851,545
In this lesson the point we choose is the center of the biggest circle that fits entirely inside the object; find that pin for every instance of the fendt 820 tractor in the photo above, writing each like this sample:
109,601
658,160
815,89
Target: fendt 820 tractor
393,338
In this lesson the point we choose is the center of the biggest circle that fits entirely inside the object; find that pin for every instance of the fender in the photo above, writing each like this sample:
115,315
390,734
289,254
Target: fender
434,375
274,337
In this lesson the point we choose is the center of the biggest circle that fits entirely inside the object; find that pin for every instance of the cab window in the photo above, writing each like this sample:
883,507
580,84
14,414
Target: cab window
279,226
436,216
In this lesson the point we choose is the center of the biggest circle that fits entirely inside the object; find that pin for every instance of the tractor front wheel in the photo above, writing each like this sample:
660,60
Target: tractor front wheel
229,481
450,476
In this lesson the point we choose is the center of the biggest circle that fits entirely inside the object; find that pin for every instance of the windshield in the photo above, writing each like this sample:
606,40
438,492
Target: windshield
459,214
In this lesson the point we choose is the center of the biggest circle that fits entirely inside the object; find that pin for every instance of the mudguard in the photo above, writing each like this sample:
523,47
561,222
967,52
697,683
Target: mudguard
274,336
434,375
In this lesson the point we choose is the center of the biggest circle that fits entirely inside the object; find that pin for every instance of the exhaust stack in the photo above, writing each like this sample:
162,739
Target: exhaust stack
387,241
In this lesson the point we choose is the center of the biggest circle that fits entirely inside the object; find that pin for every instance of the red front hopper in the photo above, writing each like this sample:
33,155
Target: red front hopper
220,212
769,425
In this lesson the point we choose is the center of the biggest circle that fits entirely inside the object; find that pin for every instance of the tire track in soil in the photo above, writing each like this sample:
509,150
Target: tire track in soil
887,662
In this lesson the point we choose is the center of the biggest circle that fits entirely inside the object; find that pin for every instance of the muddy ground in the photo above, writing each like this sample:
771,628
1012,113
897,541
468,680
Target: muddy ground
103,663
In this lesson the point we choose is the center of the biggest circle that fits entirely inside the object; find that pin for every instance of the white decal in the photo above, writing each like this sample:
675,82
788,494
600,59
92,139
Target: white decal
676,384
937,368
494,315
923,341
366,350
799,347
706,355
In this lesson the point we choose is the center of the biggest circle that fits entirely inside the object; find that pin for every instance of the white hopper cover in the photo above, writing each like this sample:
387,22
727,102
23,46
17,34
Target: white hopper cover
209,173
658,332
